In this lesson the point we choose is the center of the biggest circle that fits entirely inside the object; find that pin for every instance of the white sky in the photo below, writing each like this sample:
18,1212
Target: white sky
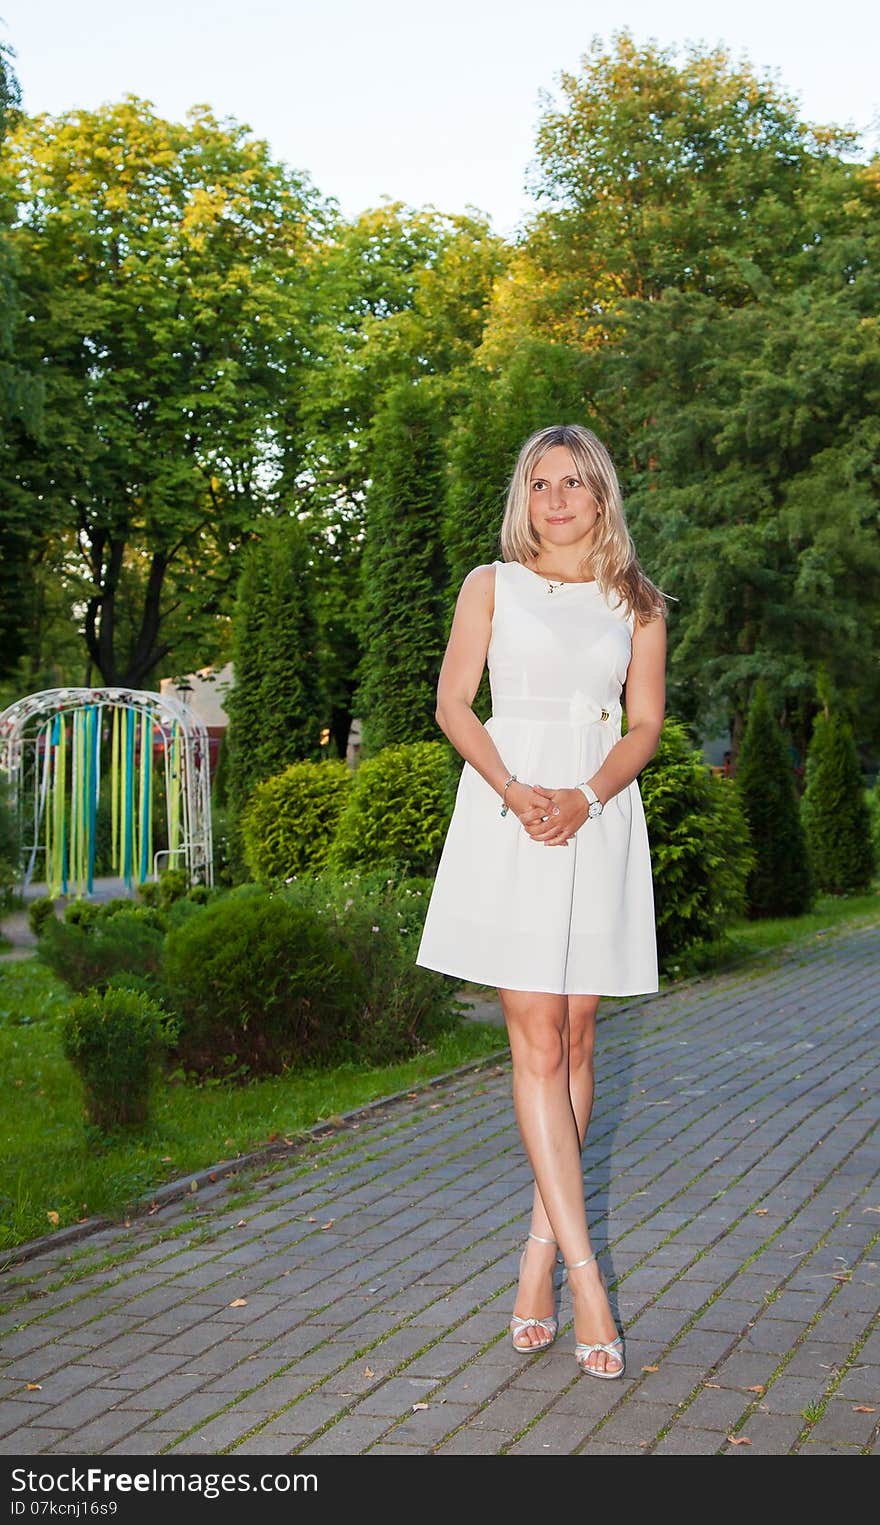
389,97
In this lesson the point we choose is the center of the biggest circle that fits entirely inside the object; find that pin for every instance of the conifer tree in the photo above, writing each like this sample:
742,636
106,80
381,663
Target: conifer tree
274,705
780,883
243,701
291,688
403,570
834,810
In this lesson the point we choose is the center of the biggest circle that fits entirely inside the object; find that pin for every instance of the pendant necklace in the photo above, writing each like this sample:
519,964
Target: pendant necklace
551,585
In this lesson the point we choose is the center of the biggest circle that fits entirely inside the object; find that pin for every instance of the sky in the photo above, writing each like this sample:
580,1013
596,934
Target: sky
426,105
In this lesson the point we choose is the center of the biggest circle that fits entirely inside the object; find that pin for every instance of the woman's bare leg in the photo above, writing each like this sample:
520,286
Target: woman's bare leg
551,1041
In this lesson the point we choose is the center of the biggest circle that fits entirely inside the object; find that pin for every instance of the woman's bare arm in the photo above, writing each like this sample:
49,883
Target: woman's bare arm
459,679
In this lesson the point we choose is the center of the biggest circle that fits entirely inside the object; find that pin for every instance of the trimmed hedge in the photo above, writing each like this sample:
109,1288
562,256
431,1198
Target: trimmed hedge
88,952
700,849
289,822
116,1042
260,985
399,809
835,815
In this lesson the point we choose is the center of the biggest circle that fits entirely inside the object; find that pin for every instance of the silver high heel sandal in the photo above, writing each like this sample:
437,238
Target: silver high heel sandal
550,1323
583,1351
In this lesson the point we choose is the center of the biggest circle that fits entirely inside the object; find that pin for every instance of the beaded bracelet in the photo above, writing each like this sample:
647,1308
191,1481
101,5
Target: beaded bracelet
512,780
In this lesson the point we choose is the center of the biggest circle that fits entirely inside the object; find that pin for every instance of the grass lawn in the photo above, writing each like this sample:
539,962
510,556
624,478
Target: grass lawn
49,1165
53,1174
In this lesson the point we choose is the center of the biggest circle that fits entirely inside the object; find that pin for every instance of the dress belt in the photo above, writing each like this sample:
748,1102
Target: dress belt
576,710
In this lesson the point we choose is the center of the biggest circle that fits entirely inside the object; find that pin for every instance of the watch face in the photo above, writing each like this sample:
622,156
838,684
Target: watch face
595,809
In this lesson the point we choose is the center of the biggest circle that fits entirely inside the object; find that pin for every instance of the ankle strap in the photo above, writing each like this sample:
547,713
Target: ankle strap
577,1263
540,1239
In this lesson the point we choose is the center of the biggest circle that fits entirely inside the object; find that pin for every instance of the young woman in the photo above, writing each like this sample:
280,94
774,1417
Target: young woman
544,885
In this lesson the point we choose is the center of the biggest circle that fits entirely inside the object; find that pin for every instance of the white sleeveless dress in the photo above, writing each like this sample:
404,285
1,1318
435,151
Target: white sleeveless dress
510,912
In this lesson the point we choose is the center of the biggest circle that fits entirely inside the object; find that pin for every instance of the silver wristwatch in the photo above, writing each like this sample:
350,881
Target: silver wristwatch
596,806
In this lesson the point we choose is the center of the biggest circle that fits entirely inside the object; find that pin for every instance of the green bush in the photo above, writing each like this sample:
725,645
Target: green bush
148,892
290,821
173,885
399,809
781,881
181,911
39,912
81,913
87,955
116,1042
121,903
836,820
146,915
380,919
259,983
700,850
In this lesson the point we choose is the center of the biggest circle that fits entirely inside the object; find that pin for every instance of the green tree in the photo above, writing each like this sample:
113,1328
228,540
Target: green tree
404,570
243,703
20,408
275,705
655,171
400,294
780,883
834,810
165,286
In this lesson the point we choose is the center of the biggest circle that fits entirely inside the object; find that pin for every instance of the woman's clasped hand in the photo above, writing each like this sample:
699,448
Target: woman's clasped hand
550,816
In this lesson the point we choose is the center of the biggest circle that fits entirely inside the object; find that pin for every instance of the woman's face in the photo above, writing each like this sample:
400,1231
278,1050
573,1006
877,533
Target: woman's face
562,509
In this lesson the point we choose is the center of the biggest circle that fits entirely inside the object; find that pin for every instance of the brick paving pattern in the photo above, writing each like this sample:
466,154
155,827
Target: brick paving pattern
354,1298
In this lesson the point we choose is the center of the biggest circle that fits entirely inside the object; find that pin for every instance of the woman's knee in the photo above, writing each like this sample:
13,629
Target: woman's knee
538,1035
581,1029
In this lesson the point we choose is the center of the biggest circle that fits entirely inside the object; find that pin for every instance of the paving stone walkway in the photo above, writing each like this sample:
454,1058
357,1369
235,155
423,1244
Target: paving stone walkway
355,1297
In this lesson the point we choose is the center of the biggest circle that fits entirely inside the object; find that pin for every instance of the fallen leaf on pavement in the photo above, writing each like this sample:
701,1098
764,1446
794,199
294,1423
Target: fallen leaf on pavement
758,1388
739,1440
419,1406
369,1372
329,1224
650,1368
761,1212
35,1387
242,1223
240,1302
863,1408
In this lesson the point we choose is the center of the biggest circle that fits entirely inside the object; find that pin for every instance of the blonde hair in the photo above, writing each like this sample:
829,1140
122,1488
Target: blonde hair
612,559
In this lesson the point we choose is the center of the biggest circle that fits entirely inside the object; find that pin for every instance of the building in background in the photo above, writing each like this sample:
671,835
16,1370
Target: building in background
204,692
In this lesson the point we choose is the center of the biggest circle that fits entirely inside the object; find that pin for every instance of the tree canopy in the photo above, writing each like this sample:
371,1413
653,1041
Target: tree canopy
209,344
